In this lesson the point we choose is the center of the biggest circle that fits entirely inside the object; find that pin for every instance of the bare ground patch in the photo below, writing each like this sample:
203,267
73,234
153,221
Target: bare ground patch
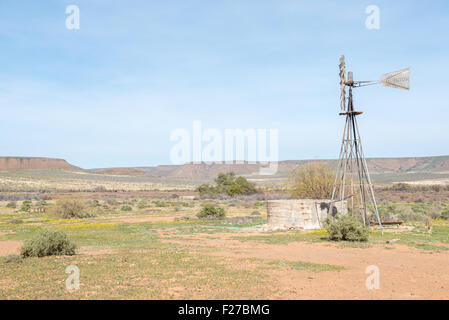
405,272
8,247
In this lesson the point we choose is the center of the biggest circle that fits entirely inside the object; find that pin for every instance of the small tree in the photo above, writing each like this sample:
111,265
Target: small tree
228,184
313,181
26,206
71,209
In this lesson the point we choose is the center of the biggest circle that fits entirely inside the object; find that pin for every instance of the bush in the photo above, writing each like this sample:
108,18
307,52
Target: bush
42,203
15,221
259,203
160,203
313,181
255,213
11,204
12,258
26,206
434,214
386,212
71,209
48,243
347,228
211,212
228,184
126,208
445,215
142,204
93,203
112,202
408,214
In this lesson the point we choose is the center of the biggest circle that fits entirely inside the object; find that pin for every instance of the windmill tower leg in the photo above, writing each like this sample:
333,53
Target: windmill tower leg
352,180
367,178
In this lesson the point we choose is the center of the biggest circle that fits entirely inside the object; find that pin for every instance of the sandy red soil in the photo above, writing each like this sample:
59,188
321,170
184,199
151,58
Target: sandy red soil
405,272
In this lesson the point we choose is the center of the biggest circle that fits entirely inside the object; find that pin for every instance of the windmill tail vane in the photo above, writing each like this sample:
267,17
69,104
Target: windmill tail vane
397,79
352,180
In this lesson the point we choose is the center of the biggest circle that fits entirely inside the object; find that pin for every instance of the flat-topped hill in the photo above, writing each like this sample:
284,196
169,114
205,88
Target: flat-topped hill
35,163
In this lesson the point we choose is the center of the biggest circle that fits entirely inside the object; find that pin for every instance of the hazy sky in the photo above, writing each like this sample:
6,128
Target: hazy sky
110,93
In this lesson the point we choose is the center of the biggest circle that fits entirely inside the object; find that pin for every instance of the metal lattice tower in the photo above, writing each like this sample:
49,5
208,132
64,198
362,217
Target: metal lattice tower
352,180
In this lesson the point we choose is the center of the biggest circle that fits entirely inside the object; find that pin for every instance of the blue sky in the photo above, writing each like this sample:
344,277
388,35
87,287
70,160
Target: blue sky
110,93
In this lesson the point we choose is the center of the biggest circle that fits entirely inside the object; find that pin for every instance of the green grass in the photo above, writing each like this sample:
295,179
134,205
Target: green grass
419,237
159,272
135,264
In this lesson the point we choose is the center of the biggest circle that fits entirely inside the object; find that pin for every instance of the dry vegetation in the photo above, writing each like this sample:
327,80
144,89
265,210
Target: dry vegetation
77,181
313,181
153,245
160,249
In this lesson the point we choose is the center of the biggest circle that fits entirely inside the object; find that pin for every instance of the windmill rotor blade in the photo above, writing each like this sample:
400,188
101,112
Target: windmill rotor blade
342,67
398,79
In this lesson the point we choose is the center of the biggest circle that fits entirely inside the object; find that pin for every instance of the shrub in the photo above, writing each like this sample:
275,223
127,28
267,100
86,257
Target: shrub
434,214
179,204
126,208
255,213
11,204
259,203
228,184
142,204
15,221
12,258
445,215
401,187
408,214
160,203
42,203
48,243
313,181
386,212
112,202
26,206
93,203
347,228
71,209
211,212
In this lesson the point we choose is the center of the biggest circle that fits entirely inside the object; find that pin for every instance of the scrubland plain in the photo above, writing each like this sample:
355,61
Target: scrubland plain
140,244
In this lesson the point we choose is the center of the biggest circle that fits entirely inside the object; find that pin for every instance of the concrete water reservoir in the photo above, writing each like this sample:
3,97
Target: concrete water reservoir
307,214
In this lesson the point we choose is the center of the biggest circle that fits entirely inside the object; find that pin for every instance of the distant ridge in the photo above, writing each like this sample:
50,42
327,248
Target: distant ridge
381,169
35,163
415,167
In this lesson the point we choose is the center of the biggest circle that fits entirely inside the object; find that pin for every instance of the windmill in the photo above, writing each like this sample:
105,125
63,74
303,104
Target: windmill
352,180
